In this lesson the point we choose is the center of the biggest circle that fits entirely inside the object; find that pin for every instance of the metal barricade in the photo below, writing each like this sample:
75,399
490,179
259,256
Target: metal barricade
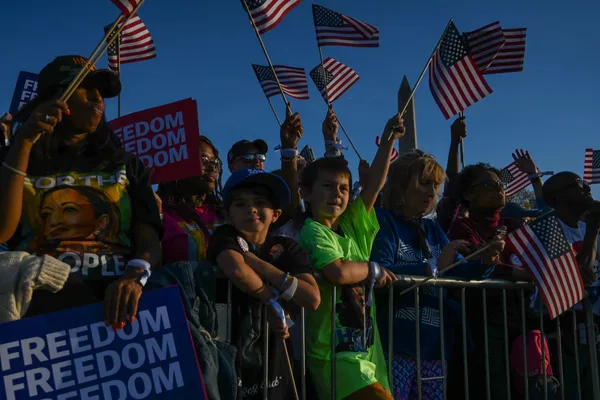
589,338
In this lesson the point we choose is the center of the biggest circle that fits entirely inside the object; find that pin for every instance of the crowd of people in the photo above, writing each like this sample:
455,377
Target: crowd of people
81,224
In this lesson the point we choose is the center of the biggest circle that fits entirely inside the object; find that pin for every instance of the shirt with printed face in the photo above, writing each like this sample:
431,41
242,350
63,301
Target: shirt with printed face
85,218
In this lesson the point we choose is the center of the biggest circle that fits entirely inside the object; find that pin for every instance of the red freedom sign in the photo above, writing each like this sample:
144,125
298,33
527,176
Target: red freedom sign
165,138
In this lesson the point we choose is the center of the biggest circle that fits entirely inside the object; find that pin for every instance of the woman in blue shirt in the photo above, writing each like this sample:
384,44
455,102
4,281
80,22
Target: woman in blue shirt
410,244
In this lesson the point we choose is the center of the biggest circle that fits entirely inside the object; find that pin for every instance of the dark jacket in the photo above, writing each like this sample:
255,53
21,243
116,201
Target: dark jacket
196,281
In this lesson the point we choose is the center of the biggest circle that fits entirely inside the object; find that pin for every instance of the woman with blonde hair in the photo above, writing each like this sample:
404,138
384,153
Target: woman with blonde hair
408,243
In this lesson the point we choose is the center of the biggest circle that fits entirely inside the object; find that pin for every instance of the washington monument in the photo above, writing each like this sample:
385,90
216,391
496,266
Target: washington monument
407,142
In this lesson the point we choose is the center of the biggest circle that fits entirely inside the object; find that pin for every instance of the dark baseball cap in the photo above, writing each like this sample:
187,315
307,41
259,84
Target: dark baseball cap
244,147
62,70
254,176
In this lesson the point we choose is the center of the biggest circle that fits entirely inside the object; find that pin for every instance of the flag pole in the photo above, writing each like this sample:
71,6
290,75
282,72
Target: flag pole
329,105
119,75
264,49
412,93
99,51
462,146
268,98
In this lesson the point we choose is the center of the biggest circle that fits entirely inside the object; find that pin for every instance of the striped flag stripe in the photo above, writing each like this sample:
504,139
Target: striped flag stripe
485,44
511,56
293,81
270,13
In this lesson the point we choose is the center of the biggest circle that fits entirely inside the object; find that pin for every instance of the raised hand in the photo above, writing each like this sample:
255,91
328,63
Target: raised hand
330,125
291,131
458,130
524,161
43,120
394,127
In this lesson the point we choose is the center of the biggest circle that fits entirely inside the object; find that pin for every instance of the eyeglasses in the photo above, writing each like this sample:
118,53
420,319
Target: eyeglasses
492,185
252,156
217,165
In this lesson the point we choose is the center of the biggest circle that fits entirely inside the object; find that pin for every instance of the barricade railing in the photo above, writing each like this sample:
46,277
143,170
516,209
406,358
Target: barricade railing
583,333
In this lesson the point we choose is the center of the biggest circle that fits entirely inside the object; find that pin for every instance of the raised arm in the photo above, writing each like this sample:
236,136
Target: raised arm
527,166
290,134
381,163
12,173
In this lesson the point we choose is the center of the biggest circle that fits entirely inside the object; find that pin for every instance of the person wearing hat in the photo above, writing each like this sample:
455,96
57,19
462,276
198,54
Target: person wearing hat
264,269
247,154
60,146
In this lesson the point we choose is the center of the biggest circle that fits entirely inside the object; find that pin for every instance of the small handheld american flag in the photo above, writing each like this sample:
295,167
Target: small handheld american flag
335,29
591,166
293,80
511,56
513,179
454,78
126,6
333,78
485,44
267,14
543,248
136,44
308,154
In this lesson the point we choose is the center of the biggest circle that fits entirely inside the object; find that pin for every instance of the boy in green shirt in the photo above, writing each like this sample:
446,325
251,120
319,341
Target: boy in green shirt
339,239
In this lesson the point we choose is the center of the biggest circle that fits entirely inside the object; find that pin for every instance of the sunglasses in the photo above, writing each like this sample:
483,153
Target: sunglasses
492,185
579,183
217,165
252,156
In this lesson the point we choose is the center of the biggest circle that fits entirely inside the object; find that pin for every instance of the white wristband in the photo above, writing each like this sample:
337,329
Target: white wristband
143,264
291,291
289,153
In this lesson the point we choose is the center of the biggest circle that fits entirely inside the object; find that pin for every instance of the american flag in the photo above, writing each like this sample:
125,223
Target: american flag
136,44
395,154
333,78
266,14
454,79
514,179
126,6
308,154
512,55
335,29
485,44
544,249
591,166
293,81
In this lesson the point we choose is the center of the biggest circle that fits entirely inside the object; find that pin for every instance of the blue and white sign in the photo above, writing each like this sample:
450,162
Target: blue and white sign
72,354
25,91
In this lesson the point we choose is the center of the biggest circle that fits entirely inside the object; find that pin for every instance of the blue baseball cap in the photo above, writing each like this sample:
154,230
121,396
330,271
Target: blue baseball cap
255,176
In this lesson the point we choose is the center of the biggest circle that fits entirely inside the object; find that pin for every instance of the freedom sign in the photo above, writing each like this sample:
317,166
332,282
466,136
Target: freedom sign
165,138
25,91
72,354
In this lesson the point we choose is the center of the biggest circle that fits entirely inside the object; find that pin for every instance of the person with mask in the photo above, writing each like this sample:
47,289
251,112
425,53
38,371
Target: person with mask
57,143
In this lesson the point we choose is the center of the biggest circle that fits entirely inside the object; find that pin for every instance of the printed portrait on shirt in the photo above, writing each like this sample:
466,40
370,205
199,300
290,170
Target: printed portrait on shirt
81,219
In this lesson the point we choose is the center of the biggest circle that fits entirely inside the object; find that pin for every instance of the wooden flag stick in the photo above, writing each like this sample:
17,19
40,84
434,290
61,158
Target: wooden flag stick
456,264
462,146
99,51
268,98
412,93
118,46
287,356
264,49
329,105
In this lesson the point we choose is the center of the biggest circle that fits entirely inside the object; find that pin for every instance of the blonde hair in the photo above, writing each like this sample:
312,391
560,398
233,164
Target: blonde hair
414,164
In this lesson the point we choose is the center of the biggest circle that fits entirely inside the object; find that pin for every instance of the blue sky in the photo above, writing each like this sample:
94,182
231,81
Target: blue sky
205,49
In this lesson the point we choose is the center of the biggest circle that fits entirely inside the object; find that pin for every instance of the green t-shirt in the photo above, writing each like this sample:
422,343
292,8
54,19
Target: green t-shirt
357,364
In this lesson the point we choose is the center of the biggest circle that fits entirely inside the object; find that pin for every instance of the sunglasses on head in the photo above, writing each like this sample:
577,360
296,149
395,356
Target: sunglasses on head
252,156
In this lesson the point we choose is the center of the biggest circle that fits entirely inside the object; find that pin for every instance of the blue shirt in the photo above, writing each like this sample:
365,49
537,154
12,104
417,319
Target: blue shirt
396,248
